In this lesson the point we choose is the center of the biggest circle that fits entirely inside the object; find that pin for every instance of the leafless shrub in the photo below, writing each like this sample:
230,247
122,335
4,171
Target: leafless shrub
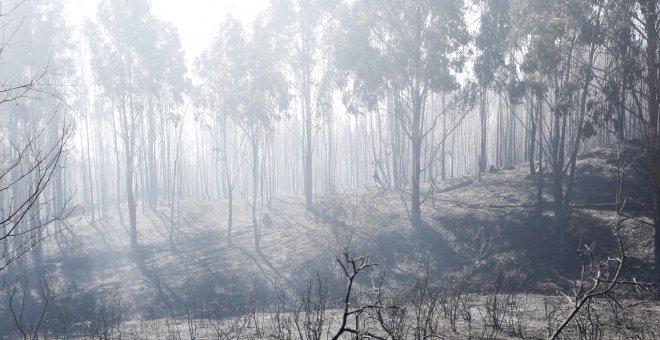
552,312
426,309
281,325
588,323
393,319
351,267
193,321
453,300
108,318
29,312
501,301
600,279
310,310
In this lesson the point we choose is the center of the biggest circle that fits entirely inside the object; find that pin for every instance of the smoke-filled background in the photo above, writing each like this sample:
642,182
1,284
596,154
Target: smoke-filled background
329,169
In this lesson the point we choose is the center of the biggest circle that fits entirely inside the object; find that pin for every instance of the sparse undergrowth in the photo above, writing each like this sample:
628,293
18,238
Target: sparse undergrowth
477,268
460,305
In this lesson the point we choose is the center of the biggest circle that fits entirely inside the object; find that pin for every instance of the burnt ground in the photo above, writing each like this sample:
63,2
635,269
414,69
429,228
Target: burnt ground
468,225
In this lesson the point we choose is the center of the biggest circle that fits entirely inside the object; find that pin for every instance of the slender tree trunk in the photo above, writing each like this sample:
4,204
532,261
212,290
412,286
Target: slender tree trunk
173,178
101,165
621,114
499,142
229,186
118,167
152,173
416,140
37,233
130,196
443,151
578,138
539,173
307,116
396,146
255,187
652,138
89,167
484,121
330,166
557,167
532,137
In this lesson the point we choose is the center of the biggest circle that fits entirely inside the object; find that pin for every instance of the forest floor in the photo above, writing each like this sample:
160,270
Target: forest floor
467,224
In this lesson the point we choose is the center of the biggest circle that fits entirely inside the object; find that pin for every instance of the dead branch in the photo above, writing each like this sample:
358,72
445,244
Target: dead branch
351,267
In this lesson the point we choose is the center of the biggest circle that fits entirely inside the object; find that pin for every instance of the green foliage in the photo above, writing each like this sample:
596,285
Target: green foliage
135,55
242,78
299,33
415,46
492,40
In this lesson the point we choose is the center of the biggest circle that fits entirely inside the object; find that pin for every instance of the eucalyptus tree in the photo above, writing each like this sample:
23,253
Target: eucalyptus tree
625,69
490,64
406,49
302,28
564,40
650,123
129,51
220,70
264,98
632,84
166,85
242,83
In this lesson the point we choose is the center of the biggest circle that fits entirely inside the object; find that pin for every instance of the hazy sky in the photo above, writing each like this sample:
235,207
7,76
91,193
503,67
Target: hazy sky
197,20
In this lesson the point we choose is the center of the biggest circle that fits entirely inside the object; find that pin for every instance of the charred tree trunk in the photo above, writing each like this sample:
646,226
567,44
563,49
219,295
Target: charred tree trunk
483,118
539,173
416,140
652,139
532,138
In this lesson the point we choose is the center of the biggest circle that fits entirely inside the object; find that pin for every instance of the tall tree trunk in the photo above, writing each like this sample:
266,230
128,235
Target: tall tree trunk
621,114
89,168
152,173
582,116
307,116
443,151
416,140
499,142
118,167
651,133
130,195
229,186
532,137
173,179
557,163
255,187
330,166
102,166
130,136
539,173
483,117
396,145
37,231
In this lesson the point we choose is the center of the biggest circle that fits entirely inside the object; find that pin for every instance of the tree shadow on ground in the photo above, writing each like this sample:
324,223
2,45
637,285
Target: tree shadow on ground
165,294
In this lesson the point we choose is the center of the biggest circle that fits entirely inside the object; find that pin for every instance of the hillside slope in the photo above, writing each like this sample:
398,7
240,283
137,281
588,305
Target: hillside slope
468,224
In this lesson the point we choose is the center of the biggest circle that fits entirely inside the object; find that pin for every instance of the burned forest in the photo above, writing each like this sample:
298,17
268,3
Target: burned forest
329,169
